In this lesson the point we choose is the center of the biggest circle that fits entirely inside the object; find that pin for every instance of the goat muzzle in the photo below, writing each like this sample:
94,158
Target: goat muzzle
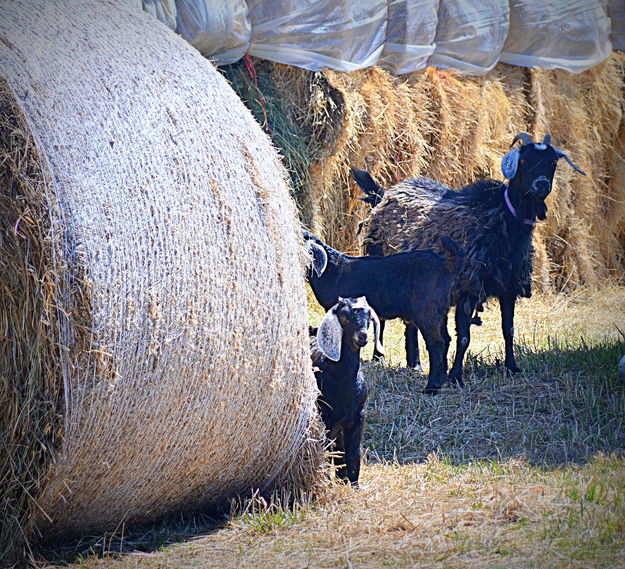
541,187
361,339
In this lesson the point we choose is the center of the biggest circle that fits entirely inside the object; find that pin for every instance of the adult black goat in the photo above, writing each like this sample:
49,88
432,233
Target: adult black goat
335,352
415,286
492,220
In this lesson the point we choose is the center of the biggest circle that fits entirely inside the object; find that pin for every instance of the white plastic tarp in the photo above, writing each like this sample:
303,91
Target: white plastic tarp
616,11
470,35
164,10
400,35
219,29
410,33
319,34
572,35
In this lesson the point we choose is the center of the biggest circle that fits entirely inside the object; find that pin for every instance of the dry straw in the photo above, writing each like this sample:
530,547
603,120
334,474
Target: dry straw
455,129
155,353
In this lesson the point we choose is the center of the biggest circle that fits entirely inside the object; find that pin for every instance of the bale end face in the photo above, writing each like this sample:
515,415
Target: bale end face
31,384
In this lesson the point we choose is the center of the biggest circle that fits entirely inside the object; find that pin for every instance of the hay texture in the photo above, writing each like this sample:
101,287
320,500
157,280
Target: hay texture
155,353
455,129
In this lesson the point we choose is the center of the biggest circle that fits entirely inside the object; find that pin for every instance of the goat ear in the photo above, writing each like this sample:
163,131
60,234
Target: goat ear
562,155
509,163
319,258
330,336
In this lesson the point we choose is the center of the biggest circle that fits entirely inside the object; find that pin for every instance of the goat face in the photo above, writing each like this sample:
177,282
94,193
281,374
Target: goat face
347,322
537,166
354,314
532,166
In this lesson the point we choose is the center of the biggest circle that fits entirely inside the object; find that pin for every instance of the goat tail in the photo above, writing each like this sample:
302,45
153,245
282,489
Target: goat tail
374,192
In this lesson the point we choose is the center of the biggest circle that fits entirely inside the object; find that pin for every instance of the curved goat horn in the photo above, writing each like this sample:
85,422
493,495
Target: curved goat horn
547,139
524,137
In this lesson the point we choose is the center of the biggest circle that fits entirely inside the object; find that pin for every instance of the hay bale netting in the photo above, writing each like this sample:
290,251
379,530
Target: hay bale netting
155,352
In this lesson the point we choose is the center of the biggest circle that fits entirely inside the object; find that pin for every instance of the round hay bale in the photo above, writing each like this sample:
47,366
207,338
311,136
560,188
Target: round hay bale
155,354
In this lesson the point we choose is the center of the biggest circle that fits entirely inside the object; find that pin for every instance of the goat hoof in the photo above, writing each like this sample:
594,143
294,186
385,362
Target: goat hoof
431,390
513,368
456,382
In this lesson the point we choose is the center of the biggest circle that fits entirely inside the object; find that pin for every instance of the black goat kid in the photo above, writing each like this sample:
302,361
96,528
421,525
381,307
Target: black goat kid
335,353
491,220
414,286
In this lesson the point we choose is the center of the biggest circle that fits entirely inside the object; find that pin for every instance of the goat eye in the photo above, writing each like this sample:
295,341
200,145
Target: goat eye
521,161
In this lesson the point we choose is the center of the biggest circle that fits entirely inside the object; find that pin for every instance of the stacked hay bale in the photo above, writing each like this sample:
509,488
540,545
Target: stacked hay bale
155,354
454,128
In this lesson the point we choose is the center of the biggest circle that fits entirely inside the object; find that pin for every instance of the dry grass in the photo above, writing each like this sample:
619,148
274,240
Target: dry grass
31,385
510,472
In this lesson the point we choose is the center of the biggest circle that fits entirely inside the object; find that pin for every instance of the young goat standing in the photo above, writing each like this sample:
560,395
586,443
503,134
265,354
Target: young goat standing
335,352
415,287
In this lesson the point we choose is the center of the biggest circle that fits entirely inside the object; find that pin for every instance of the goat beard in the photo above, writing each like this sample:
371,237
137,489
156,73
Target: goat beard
541,211
534,209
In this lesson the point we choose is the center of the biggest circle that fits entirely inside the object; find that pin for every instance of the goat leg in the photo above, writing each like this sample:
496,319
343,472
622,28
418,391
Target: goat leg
435,344
377,356
447,339
464,313
507,304
412,347
338,447
353,437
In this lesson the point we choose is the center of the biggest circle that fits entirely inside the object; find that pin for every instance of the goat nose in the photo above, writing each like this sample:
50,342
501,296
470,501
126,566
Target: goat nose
362,338
541,187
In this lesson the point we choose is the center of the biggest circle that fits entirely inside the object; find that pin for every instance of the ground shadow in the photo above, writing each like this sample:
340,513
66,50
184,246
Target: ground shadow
140,540
564,407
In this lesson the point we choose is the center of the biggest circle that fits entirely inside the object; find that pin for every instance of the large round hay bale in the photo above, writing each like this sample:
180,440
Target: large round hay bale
154,354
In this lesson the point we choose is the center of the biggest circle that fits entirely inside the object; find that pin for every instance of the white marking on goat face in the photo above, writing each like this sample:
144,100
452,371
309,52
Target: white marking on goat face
358,321
540,146
541,186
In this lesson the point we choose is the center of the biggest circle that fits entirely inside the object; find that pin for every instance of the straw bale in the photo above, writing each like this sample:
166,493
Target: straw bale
455,129
383,129
156,355
584,114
